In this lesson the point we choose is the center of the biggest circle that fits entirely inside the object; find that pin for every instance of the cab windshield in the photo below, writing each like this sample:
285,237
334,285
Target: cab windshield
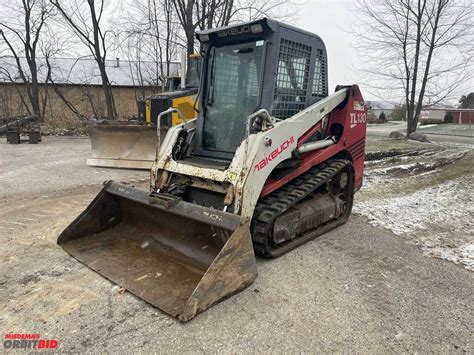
233,87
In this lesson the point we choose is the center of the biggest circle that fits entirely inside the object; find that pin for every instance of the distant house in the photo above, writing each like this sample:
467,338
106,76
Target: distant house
375,108
79,81
437,115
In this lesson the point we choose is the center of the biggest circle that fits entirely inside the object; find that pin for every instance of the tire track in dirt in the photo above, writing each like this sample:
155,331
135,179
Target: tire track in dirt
40,211
44,283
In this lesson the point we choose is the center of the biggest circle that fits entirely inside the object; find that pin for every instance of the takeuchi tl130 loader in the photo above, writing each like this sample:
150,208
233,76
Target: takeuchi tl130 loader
271,162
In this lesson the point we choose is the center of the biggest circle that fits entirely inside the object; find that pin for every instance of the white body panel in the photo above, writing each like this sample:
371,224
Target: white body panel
255,158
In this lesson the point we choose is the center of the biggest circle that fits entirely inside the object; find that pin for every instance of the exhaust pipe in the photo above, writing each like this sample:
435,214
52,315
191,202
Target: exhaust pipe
184,62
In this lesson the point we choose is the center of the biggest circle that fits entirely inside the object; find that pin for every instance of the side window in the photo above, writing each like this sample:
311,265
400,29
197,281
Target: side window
225,78
291,82
319,78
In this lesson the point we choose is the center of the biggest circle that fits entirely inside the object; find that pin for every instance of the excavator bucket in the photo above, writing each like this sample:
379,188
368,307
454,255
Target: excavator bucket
178,256
123,145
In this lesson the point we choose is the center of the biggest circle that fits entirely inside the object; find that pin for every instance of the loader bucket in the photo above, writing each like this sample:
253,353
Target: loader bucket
123,146
181,258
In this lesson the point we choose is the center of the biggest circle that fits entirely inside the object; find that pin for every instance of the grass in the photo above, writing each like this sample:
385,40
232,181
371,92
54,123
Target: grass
463,167
397,186
64,128
376,144
451,129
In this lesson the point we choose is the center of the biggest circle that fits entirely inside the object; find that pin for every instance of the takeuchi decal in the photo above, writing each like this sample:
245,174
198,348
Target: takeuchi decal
276,152
28,341
234,31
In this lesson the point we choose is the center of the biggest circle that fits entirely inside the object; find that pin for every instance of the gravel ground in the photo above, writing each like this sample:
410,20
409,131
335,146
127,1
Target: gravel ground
359,288
55,164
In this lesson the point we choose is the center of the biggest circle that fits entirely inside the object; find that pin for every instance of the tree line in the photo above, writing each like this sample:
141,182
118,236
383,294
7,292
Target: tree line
139,30
416,51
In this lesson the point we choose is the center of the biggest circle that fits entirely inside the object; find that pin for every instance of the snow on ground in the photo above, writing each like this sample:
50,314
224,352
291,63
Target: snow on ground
438,218
432,213
462,254
404,214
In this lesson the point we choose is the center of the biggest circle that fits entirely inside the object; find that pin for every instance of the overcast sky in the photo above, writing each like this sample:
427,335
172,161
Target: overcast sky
330,19
333,20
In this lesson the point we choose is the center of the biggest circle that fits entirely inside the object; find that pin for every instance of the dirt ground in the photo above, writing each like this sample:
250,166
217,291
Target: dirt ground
371,285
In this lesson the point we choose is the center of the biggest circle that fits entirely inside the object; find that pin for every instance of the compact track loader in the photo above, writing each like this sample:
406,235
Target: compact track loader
271,162
132,144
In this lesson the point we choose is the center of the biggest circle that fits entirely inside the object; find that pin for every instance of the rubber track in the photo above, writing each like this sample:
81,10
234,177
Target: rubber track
270,207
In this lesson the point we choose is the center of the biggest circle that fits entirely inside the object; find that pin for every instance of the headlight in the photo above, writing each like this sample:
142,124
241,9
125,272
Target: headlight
204,38
256,28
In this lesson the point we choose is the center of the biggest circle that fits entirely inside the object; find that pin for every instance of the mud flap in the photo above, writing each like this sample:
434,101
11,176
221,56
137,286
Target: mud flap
123,146
181,259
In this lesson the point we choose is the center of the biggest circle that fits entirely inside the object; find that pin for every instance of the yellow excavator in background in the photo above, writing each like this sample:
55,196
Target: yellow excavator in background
132,144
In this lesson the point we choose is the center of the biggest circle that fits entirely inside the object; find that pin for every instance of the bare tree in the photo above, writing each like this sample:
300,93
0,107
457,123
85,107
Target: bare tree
204,14
54,47
185,13
155,30
170,44
6,74
150,32
419,47
84,19
21,27
248,10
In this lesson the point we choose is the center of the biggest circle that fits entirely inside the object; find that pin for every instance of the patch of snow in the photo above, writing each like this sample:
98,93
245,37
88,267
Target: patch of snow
428,172
449,206
376,176
463,254
456,249
416,210
451,154
410,166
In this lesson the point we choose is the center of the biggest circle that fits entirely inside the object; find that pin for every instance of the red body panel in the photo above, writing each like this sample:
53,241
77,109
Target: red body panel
353,118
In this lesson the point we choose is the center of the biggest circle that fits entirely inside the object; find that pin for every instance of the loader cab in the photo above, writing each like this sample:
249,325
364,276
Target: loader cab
246,67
